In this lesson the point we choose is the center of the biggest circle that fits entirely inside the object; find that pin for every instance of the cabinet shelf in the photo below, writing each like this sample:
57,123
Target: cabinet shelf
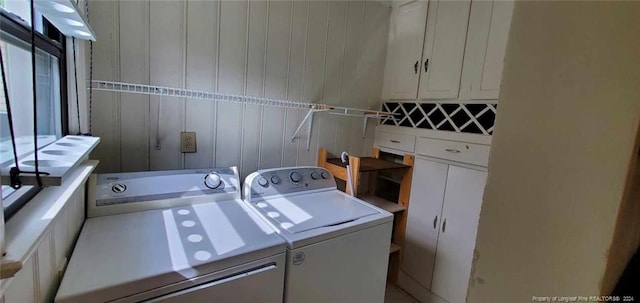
390,179
394,248
370,164
383,203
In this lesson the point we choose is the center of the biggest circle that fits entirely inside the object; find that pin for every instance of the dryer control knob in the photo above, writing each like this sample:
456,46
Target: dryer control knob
212,180
325,175
263,182
315,176
275,180
295,177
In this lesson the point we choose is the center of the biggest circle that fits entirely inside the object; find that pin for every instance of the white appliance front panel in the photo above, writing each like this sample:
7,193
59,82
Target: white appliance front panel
263,284
121,255
350,268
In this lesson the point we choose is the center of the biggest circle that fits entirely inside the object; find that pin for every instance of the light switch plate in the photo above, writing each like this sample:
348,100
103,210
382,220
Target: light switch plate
188,142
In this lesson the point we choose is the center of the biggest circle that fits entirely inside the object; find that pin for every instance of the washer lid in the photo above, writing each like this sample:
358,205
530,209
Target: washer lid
306,212
121,255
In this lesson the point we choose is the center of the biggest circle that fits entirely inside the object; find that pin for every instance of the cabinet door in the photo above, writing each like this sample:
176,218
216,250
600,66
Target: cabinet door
460,214
423,223
444,49
489,24
402,67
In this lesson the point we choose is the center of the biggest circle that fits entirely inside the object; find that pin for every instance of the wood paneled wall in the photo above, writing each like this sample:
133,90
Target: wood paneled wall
38,280
320,51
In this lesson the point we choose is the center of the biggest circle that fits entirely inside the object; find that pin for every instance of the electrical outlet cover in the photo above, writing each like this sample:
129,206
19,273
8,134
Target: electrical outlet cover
188,142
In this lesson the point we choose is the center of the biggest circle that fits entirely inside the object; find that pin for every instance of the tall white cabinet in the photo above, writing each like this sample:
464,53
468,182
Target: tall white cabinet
449,176
442,49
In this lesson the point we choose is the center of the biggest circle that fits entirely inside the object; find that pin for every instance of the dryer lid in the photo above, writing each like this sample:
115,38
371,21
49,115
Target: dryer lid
301,213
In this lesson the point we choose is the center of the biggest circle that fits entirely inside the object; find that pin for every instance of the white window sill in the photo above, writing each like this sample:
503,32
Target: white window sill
26,229
57,159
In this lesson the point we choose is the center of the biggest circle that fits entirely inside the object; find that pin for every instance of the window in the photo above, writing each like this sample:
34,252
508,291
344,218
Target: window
15,42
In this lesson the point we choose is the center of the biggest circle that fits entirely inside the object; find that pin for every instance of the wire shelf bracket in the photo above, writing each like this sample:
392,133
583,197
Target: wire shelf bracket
313,108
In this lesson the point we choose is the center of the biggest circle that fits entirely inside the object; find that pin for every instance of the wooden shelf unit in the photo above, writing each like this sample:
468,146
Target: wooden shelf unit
394,248
372,165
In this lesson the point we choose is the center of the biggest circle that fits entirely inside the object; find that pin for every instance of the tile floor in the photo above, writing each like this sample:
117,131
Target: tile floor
396,295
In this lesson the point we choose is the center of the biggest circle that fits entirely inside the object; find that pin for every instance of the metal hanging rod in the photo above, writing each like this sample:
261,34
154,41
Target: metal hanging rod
313,108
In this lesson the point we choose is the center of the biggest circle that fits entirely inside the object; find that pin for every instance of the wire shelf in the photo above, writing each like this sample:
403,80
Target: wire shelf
312,108
154,90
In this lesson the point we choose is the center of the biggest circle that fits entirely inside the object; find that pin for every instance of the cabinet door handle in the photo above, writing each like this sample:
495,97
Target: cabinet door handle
426,65
444,225
451,150
435,221
394,141
415,67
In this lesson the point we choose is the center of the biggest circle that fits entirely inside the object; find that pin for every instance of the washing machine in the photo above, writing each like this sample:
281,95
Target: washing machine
173,236
337,245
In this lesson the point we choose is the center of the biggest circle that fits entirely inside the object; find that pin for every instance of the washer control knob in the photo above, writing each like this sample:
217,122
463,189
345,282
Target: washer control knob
212,180
275,180
263,182
295,177
118,188
314,175
325,175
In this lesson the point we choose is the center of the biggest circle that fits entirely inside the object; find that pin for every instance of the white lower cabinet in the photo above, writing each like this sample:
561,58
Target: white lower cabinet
441,230
423,223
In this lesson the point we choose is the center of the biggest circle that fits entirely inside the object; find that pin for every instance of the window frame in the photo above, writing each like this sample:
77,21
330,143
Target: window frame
52,42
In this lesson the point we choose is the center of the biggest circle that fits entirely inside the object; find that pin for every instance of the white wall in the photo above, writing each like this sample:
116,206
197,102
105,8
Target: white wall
565,130
329,52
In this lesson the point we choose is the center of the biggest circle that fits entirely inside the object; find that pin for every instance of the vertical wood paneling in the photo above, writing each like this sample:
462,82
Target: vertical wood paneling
313,81
23,287
276,73
231,79
61,239
46,270
105,113
166,68
348,92
74,220
375,55
134,67
369,84
38,279
376,52
202,49
319,51
297,53
334,59
251,129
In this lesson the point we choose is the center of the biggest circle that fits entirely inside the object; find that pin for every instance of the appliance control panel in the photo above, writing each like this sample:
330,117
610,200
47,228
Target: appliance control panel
126,188
286,180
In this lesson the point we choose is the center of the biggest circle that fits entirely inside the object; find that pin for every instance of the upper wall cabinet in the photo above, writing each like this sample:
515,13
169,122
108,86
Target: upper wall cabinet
402,68
457,55
443,49
489,24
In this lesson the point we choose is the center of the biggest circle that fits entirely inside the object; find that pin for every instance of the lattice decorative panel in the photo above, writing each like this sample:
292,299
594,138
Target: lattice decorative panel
458,117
